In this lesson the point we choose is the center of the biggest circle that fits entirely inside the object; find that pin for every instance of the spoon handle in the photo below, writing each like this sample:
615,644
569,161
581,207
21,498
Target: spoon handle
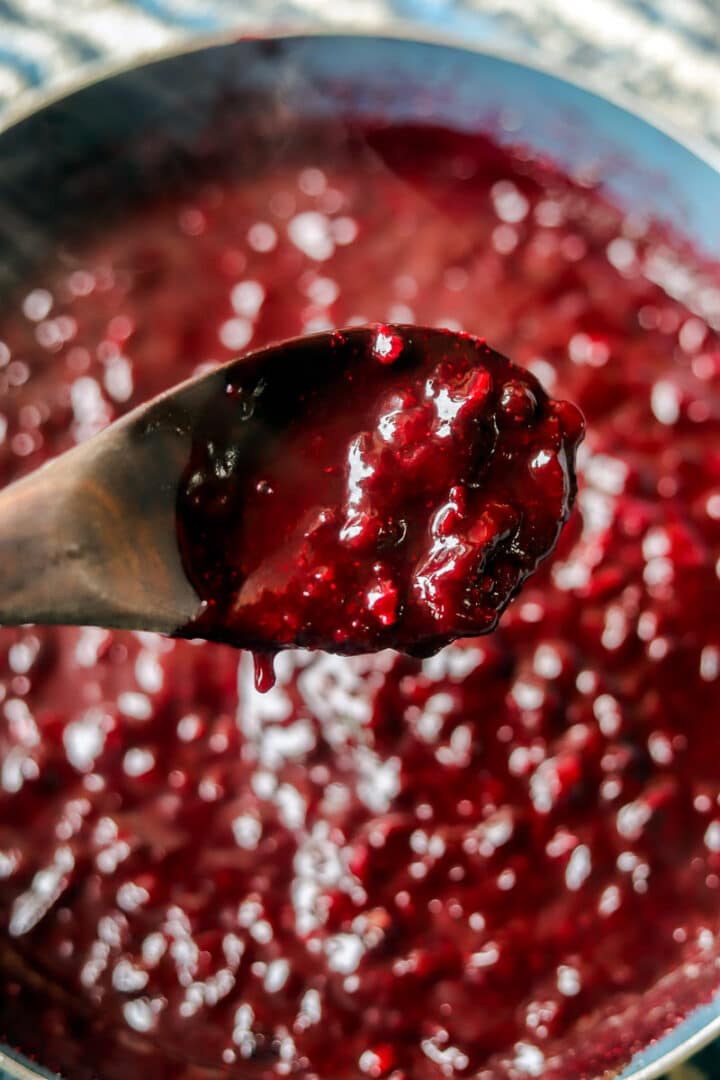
89,539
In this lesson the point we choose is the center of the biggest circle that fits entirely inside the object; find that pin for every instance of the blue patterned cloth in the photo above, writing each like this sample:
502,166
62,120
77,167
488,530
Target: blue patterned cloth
662,52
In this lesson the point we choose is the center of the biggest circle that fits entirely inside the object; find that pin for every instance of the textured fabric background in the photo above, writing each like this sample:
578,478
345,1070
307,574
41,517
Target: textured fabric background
664,52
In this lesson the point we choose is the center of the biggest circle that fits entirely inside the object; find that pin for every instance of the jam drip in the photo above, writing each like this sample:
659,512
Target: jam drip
388,486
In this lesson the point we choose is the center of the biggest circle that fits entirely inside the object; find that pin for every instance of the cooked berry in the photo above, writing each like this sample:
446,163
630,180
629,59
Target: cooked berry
452,440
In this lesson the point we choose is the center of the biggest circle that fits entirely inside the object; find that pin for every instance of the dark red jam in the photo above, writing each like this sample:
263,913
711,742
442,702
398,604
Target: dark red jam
386,486
499,862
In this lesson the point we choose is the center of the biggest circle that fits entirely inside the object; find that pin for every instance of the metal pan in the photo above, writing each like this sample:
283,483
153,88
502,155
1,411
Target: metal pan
88,147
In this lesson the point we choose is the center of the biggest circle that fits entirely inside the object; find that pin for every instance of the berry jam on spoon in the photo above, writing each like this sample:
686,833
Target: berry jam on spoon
375,487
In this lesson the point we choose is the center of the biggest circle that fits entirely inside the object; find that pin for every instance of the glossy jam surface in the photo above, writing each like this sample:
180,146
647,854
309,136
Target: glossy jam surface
499,862
378,487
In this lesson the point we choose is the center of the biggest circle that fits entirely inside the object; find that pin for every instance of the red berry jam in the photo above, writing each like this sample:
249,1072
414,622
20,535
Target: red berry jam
380,487
499,862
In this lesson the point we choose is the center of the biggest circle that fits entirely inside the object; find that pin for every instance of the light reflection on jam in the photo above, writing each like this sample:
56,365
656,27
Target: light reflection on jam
391,487
500,861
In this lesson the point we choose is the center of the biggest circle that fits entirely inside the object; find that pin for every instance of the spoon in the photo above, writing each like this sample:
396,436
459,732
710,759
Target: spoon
350,490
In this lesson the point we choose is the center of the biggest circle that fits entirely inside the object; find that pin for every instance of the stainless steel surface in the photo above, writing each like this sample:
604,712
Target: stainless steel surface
10,1067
